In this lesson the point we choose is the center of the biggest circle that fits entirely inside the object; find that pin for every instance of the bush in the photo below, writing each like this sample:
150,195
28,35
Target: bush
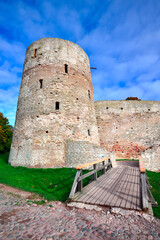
6,132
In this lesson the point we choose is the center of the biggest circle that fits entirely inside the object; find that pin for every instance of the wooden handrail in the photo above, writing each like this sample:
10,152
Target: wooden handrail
145,188
141,165
78,181
92,163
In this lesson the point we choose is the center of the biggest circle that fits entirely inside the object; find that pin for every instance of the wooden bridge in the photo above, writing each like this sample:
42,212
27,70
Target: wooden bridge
124,186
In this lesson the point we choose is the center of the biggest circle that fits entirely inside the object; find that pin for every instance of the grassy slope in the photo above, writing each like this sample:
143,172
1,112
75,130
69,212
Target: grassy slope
52,184
154,179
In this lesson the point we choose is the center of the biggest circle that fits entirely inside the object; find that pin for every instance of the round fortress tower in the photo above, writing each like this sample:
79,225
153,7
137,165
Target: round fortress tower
55,103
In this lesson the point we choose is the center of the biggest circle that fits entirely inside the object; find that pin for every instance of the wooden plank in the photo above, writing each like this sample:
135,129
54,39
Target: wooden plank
151,199
92,194
115,194
129,190
91,173
103,169
90,187
92,163
104,189
80,183
95,174
138,191
125,188
136,204
120,192
113,188
144,192
132,191
74,186
141,165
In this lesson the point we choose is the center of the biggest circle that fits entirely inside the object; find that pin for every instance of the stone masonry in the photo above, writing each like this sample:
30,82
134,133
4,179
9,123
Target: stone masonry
128,128
55,103
80,152
56,107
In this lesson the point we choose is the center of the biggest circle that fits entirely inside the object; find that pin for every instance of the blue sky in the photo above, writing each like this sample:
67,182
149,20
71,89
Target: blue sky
121,38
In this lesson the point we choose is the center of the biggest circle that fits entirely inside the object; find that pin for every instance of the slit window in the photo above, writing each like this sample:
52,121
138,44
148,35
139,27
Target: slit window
89,94
57,105
41,83
66,68
35,52
89,134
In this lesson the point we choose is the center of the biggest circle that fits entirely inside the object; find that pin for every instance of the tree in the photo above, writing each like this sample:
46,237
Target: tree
6,132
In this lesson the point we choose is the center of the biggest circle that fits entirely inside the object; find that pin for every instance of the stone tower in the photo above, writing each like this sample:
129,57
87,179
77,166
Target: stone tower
55,104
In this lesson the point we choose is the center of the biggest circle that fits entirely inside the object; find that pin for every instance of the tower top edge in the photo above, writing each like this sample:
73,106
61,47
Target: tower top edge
55,40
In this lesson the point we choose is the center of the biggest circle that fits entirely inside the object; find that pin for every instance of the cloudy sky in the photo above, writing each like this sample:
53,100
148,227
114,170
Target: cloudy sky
121,38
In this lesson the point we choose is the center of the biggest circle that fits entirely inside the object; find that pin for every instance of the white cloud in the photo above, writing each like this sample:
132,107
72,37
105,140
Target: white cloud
8,103
12,50
8,75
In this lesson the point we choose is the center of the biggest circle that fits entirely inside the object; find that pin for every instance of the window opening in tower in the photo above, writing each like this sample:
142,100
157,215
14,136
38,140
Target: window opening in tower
66,68
57,105
41,83
89,94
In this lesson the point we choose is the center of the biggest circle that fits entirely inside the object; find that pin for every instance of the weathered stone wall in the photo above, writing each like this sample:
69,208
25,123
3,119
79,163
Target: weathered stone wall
56,72
128,127
81,152
56,103
151,158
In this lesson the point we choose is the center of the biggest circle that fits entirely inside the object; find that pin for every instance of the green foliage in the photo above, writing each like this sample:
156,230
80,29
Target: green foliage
52,184
5,134
127,160
154,179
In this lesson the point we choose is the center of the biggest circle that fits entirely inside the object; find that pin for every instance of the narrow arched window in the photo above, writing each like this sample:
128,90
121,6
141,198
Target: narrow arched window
41,83
89,134
57,105
66,68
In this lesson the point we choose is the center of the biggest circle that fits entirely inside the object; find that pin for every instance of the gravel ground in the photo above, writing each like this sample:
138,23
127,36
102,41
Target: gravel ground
21,219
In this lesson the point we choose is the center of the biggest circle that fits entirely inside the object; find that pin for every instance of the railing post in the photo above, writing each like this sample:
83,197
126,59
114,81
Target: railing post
95,174
75,183
103,170
80,183
144,191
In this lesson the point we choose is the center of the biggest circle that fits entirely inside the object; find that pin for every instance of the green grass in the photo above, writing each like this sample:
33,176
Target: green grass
154,179
127,160
52,184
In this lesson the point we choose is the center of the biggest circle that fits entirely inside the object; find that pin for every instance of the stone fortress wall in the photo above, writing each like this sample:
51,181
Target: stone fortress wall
59,124
55,103
129,128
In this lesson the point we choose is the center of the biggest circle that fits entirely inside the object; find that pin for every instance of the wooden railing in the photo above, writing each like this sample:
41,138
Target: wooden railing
145,188
78,181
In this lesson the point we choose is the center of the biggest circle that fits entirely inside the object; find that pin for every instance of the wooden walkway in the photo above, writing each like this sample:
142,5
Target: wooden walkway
119,187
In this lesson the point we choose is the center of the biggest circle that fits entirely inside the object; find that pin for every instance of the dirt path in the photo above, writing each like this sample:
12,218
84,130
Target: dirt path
54,220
